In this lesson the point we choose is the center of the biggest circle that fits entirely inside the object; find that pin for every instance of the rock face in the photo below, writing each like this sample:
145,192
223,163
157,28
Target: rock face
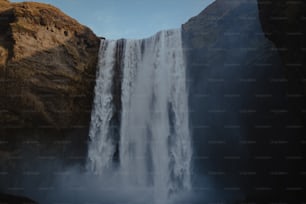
239,102
48,63
47,76
284,23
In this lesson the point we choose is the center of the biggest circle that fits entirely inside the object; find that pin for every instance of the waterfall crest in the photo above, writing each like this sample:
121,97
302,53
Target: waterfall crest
154,144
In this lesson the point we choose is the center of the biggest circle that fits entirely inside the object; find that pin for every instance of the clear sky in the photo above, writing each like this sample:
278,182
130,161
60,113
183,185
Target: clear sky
115,19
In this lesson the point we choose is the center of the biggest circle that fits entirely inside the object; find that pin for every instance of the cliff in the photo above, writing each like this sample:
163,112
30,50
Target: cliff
47,67
240,104
47,77
283,22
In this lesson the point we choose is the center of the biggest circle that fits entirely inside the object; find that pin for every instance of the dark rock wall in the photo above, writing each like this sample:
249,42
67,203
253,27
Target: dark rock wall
244,132
284,23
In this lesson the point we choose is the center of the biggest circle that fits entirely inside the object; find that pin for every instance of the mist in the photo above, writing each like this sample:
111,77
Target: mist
75,185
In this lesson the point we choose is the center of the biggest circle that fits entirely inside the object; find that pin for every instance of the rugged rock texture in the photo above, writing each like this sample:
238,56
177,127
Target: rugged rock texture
48,63
206,27
47,76
244,131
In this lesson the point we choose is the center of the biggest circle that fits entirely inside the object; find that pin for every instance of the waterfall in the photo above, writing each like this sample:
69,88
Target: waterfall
101,149
154,140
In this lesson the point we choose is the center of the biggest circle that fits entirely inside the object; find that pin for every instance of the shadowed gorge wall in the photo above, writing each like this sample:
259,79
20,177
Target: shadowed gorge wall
284,23
244,129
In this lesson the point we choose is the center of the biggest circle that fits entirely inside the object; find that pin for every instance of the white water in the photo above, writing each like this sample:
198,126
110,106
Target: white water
101,149
155,142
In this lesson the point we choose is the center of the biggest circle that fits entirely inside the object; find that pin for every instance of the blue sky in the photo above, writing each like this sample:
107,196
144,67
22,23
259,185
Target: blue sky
115,19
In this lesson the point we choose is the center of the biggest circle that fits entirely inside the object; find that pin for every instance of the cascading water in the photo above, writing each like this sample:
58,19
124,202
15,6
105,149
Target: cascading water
155,143
101,149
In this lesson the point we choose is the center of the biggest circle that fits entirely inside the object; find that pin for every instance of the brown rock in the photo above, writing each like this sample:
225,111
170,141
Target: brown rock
47,67
47,76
